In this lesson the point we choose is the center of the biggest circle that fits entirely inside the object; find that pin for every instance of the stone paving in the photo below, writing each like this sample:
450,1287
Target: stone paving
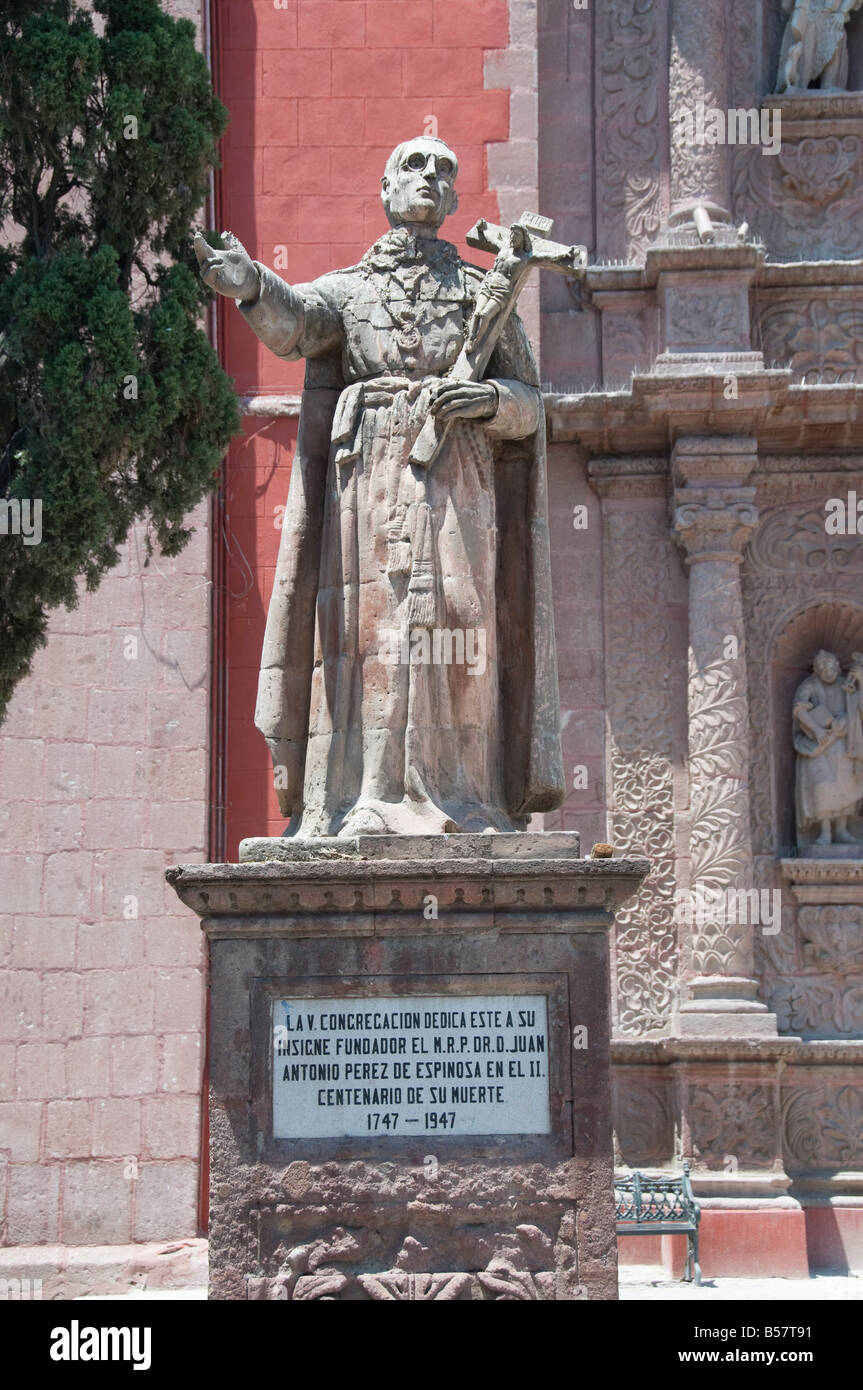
649,1283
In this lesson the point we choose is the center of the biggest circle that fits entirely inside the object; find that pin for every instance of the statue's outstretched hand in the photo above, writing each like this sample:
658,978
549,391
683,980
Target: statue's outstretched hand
231,272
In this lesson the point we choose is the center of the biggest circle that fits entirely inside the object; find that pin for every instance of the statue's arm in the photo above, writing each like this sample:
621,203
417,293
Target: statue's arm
293,320
801,714
519,409
804,703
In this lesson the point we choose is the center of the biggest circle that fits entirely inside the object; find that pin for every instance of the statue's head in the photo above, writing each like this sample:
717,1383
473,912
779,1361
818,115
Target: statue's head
826,667
419,182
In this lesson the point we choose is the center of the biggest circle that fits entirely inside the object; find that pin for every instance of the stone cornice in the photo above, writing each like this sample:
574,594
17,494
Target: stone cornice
656,410
367,897
832,113
629,475
785,274
737,255
665,1051
822,870
823,881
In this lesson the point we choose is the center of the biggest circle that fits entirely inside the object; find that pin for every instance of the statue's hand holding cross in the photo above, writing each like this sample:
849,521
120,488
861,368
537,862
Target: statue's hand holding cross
518,249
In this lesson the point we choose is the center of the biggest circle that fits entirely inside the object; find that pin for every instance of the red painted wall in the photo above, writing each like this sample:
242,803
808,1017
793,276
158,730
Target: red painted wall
319,93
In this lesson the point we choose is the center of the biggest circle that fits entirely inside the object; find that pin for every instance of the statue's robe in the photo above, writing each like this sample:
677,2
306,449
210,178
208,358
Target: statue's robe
361,739
828,784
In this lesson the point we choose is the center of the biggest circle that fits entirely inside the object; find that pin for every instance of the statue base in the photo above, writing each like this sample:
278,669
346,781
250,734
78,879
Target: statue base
409,1068
828,852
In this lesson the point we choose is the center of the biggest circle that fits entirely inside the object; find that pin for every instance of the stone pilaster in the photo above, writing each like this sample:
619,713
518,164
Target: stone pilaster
697,83
714,518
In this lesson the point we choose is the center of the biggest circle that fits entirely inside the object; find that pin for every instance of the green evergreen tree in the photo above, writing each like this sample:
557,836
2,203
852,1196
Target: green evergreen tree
113,405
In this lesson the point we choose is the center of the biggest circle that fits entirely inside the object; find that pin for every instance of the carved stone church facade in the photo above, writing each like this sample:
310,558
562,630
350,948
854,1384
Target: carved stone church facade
728,308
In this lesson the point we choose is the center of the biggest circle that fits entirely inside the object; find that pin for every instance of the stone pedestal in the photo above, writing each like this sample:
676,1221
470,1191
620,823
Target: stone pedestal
409,1067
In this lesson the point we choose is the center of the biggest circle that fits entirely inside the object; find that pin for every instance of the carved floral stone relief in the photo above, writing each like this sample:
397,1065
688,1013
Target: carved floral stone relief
805,202
823,1127
820,339
696,68
630,131
527,1265
731,1120
640,729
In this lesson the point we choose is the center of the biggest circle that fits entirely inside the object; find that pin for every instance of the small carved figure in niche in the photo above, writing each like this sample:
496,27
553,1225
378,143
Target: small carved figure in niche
828,740
815,45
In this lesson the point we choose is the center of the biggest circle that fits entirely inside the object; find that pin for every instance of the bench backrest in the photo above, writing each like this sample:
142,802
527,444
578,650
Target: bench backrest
647,1200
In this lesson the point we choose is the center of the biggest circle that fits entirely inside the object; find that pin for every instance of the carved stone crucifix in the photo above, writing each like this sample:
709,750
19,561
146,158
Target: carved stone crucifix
518,249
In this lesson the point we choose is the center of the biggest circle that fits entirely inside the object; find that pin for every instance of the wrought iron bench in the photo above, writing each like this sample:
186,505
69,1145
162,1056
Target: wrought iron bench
647,1206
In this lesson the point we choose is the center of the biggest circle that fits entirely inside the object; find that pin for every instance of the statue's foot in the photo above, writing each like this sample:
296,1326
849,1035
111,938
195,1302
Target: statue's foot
823,839
405,817
363,820
844,837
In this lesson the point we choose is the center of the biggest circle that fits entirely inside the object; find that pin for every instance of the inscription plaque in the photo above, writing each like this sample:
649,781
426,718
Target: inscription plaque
416,1065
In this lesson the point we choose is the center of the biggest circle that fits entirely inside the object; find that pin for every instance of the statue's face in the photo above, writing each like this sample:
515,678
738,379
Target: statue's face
421,188
826,667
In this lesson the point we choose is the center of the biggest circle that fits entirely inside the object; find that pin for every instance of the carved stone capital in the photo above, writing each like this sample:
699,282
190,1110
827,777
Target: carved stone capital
714,523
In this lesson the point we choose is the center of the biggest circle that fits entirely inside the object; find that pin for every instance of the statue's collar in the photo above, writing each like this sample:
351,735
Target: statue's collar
399,247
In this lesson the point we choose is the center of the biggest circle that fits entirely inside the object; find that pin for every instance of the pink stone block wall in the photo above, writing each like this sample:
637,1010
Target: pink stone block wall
103,783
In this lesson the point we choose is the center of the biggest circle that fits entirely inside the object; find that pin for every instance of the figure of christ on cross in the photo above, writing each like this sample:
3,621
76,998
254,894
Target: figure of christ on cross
417,504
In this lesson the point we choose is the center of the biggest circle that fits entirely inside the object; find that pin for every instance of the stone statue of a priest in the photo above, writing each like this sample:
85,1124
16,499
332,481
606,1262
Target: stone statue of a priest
408,680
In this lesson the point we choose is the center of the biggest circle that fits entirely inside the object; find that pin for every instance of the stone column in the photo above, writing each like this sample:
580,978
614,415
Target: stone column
714,518
697,84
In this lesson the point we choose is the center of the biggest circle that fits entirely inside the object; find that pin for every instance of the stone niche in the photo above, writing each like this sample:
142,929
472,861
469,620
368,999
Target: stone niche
805,201
833,627
813,970
801,593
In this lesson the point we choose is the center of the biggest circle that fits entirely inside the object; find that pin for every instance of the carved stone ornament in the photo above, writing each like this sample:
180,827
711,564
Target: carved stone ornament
628,176
806,202
696,76
717,522
821,339
331,1269
832,938
823,1127
640,722
733,1120
714,525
